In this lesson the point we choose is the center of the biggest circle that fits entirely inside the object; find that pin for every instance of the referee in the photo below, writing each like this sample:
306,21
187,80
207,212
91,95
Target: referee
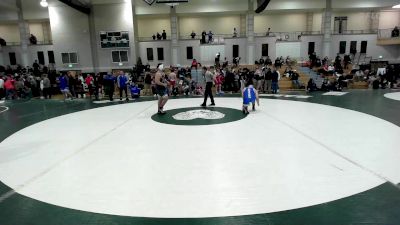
209,83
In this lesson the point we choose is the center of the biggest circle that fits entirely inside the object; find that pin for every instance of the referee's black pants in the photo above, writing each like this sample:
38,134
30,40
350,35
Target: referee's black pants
208,92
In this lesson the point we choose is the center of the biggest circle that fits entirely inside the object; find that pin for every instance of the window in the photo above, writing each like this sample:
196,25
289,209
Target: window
69,58
340,24
364,47
342,47
150,54
40,56
13,60
189,52
353,47
160,54
235,51
311,47
264,50
119,56
51,57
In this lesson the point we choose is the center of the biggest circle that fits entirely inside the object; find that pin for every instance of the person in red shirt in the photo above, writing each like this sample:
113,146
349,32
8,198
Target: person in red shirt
89,82
194,64
219,79
10,88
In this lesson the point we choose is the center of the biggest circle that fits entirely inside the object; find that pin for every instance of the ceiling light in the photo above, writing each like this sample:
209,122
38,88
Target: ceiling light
44,3
396,6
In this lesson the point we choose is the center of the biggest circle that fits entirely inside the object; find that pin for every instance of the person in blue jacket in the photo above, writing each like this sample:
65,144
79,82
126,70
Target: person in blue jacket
135,91
122,83
64,81
250,95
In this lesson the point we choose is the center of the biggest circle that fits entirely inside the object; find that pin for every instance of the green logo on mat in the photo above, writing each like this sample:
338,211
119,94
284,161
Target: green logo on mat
199,116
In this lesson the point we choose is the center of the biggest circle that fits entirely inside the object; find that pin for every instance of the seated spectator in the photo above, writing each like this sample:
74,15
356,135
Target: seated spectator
33,39
295,79
234,32
268,61
158,36
311,85
193,34
268,32
2,42
164,35
154,37
395,32
359,75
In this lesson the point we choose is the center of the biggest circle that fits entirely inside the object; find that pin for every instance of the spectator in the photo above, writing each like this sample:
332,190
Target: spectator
90,83
46,87
210,37
33,39
164,35
9,86
274,80
193,34
203,37
395,32
158,36
154,37
295,79
234,32
36,67
268,32
194,64
122,82
311,85
2,42
109,86
268,80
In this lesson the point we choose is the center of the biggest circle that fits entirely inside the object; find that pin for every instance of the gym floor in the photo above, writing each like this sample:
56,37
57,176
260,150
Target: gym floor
299,159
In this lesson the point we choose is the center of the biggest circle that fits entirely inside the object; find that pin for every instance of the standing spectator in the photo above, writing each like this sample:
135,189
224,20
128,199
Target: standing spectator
9,86
36,67
89,83
210,37
109,82
164,35
33,39
268,80
97,86
122,82
46,87
71,83
274,80
193,34
203,37
2,95
278,63
209,78
395,32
